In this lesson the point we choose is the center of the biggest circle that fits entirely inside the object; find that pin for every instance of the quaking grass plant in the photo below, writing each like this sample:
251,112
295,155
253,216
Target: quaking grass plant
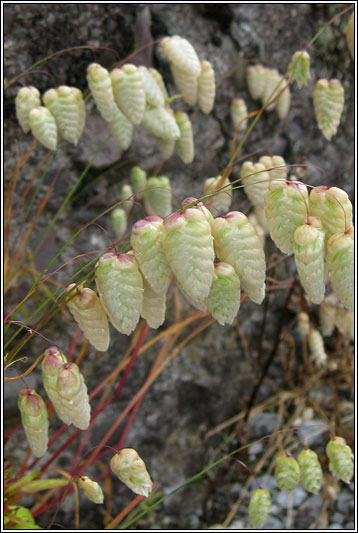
202,249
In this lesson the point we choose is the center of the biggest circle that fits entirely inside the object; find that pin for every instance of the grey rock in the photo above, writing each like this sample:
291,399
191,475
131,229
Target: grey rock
298,496
262,424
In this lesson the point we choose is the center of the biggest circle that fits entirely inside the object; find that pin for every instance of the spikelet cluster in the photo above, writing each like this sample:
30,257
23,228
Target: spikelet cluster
34,420
300,68
256,177
91,489
67,106
265,84
287,472
310,471
328,101
259,507
340,459
131,470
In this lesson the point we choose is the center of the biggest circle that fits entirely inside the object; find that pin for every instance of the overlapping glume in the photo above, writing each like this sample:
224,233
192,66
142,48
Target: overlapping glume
237,243
316,345
333,207
153,92
27,98
120,287
129,92
206,87
184,145
131,470
67,106
72,395
286,207
91,489
34,420
43,127
299,68
309,251
89,314
287,472
121,128
158,196
223,301
100,85
340,459
340,263
238,113
328,101
186,83
146,241
310,471
189,249
52,364
160,122
259,507
220,201
159,79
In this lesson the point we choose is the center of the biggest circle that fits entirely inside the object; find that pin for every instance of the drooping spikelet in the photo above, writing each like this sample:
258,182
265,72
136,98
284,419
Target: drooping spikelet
287,472
238,112
72,395
333,207
259,507
154,306
220,201
303,324
256,81
286,208
340,459
166,147
273,85
88,312
131,470
43,126
184,146
51,367
316,345
121,128
127,197
100,84
158,196
310,471
34,420
119,221
153,92
255,180
300,68
275,161
129,92
284,100
189,249
309,258
186,83
138,178
67,106
237,243
27,98
91,489
223,301
206,87
181,53
328,101
160,122
350,35
146,241
340,262
120,287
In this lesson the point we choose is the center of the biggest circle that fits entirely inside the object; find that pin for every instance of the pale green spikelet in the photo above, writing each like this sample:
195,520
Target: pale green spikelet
284,101
316,345
87,310
273,85
146,241
160,122
34,420
166,147
287,472
51,366
255,180
186,83
309,258
237,243
27,98
158,196
220,201
333,207
154,306
340,262
119,221
270,163
120,287
131,470
91,489
259,507
200,305
129,92
223,301
67,106
159,79
43,126
138,178
72,395
184,146
286,209
328,101
340,459
189,249
121,128
127,197
181,53
256,81
238,112
300,68
100,84
206,87
303,324
350,35
310,471
153,93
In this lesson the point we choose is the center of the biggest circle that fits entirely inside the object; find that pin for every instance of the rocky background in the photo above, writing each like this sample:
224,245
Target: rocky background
210,380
